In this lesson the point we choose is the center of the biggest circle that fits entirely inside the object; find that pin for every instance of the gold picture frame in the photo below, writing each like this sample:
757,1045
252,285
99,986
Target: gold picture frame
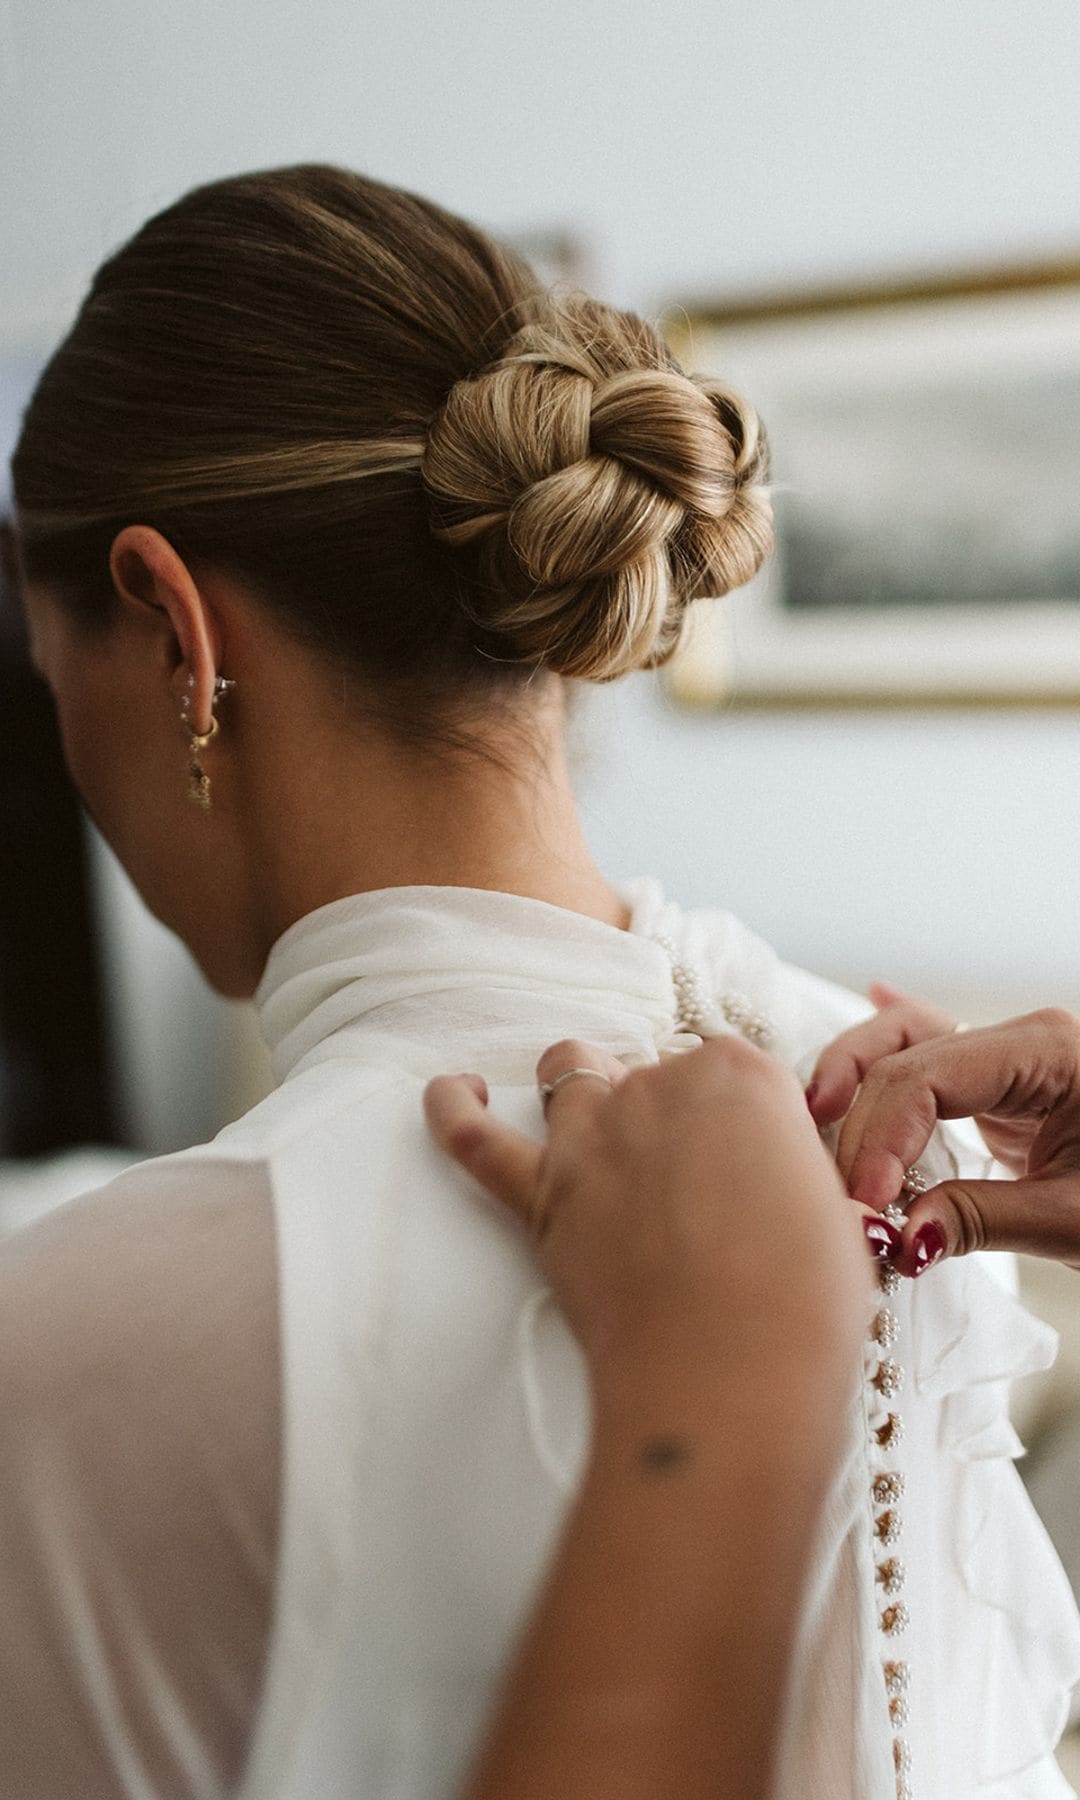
926,439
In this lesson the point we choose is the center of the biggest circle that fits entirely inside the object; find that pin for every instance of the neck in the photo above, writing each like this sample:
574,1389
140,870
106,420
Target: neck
330,813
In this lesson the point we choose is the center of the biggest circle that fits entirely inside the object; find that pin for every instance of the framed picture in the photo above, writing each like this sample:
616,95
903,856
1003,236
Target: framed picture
926,466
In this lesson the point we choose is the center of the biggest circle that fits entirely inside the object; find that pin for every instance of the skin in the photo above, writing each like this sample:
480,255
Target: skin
309,803
714,1440
696,1236
892,1078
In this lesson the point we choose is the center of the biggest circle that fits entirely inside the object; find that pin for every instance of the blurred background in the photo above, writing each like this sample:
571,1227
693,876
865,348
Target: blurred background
680,156
694,152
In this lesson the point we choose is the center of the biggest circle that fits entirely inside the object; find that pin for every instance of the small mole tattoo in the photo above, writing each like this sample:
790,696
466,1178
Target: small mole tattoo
661,1455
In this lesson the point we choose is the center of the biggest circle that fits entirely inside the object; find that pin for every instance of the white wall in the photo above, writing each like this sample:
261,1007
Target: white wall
942,853
701,145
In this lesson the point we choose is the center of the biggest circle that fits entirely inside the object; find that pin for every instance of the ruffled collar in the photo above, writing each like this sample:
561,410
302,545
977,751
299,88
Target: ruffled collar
441,968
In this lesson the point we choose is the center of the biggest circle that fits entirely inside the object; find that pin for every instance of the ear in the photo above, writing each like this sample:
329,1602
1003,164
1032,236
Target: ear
147,574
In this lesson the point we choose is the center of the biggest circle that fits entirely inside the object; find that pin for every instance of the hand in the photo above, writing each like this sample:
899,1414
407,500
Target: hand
687,1211
1019,1080
697,1237
900,1022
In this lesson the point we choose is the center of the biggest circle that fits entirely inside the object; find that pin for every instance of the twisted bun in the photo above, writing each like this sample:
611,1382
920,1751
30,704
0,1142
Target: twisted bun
598,490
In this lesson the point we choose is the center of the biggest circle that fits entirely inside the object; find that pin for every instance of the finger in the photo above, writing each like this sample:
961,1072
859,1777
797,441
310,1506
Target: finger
882,993
882,1237
575,1100
499,1158
885,1132
1016,1070
844,1064
478,1085
1041,1218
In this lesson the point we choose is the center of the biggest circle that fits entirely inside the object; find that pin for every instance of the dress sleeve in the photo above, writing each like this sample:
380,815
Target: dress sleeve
139,1485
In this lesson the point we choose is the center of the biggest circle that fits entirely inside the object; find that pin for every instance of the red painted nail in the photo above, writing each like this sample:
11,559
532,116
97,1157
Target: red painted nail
811,1095
883,1239
928,1246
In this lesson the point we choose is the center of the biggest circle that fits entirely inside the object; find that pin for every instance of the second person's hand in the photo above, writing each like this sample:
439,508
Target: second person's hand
1020,1081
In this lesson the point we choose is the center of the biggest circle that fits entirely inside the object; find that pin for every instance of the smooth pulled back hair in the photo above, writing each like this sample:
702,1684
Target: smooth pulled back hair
369,411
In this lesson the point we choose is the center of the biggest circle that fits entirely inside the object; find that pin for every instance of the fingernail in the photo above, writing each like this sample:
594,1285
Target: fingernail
928,1246
883,1239
811,1095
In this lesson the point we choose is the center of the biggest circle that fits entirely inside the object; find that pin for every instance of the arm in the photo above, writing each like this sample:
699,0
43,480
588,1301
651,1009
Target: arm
138,1487
698,1241
657,1660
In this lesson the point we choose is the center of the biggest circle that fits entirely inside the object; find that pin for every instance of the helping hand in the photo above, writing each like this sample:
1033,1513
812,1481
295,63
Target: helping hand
1019,1080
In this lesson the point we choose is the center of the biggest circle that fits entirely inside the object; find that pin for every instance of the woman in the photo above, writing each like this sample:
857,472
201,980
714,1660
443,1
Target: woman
318,505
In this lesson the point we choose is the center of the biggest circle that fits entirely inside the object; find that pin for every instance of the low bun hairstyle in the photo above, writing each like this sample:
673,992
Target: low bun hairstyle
599,489
369,412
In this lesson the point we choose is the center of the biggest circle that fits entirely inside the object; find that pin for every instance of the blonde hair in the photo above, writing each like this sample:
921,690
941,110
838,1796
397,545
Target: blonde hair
368,409
600,489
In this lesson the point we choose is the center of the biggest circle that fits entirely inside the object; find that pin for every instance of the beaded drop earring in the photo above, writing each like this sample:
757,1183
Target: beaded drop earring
198,779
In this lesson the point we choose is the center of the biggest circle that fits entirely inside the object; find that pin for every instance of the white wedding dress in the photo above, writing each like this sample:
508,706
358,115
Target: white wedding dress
289,1423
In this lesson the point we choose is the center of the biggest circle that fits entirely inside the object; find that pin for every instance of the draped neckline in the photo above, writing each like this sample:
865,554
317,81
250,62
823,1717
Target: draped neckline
382,961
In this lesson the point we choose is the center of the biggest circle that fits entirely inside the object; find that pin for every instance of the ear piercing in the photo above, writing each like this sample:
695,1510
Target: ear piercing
221,687
198,779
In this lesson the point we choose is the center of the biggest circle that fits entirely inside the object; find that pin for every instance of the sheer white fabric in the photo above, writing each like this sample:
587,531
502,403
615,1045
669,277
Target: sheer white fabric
139,1486
289,1424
